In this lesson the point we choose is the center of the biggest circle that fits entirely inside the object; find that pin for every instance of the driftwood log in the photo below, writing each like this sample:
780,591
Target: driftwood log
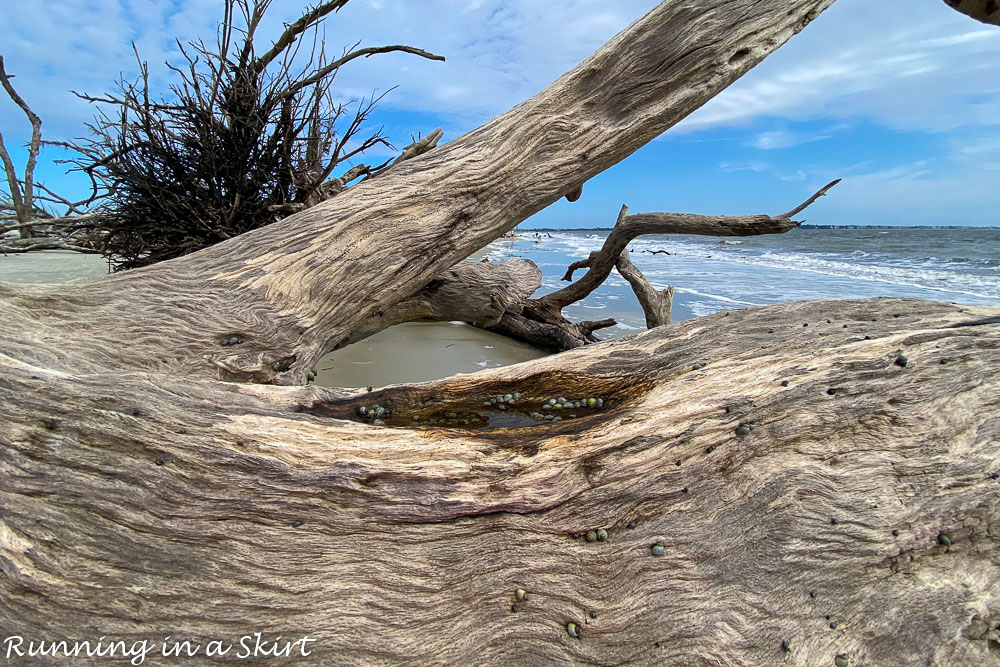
985,11
138,506
156,483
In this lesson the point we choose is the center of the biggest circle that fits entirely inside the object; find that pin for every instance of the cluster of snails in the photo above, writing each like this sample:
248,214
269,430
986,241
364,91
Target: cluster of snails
548,411
501,402
558,404
562,403
374,413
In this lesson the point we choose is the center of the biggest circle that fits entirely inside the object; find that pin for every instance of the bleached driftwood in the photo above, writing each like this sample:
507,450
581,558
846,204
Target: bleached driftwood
155,482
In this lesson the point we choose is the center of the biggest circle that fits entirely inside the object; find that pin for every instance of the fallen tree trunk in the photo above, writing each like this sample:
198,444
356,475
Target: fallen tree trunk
142,497
132,510
478,293
36,243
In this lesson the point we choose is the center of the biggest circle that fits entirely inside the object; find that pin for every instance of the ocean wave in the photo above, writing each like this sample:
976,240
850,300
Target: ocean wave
973,277
921,277
941,277
713,297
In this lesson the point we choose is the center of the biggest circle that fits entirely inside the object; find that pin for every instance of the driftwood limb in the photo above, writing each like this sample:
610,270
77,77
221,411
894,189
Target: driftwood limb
36,226
801,207
33,244
985,11
420,146
656,304
367,52
291,33
628,227
478,293
67,221
541,322
21,190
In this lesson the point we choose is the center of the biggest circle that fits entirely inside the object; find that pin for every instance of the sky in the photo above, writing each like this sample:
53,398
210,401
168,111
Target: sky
900,98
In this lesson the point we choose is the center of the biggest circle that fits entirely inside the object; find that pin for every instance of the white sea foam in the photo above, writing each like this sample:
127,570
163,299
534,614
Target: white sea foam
926,275
697,263
925,278
714,297
627,327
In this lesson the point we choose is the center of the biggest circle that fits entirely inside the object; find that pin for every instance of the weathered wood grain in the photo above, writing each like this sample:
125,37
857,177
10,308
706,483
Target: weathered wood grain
414,540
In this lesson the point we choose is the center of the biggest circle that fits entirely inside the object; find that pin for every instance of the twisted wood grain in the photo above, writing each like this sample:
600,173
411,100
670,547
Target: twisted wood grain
140,505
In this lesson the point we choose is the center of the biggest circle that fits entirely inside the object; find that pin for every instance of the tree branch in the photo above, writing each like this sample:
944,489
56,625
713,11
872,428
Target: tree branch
293,30
628,227
656,304
366,52
820,193
22,199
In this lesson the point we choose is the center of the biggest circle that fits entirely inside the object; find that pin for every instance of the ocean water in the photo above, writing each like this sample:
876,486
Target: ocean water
711,274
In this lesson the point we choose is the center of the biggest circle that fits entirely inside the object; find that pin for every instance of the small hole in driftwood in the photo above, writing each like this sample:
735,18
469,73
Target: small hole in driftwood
738,56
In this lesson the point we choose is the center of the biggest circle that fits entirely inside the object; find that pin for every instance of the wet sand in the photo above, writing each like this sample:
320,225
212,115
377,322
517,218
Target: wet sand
414,352
417,352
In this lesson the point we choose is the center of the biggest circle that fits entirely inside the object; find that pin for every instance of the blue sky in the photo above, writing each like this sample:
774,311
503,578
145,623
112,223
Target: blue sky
901,98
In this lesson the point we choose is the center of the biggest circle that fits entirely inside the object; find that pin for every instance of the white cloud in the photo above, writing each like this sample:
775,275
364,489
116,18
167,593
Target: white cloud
795,177
730,167
782,138
899,62
904,65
